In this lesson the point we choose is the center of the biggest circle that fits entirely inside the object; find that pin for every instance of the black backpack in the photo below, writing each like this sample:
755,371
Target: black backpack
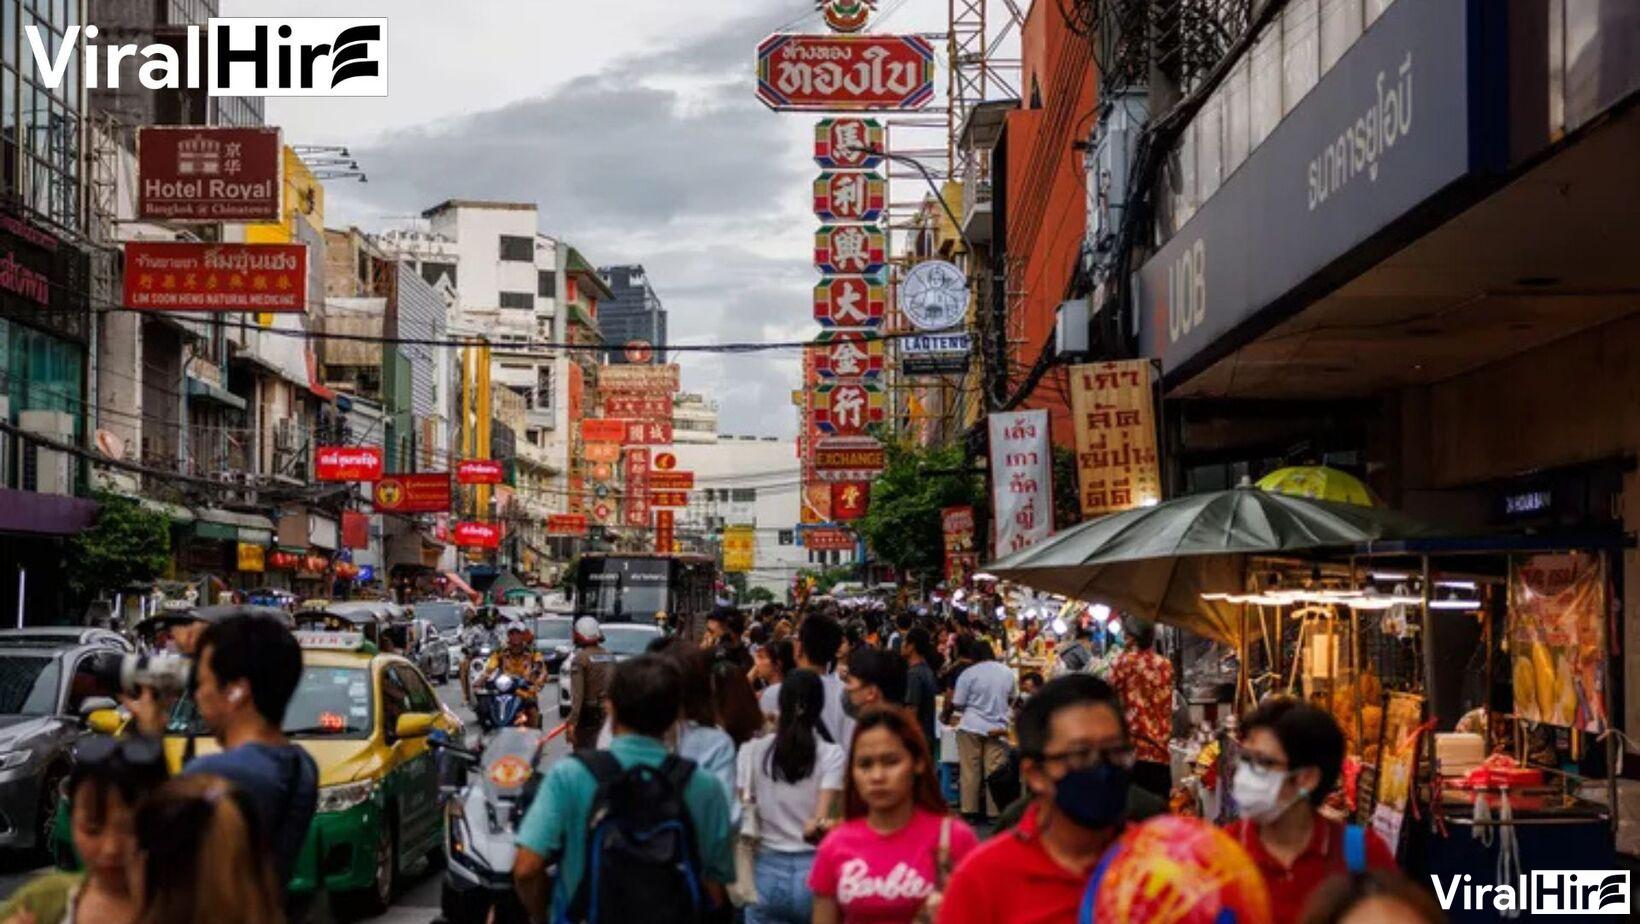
641,858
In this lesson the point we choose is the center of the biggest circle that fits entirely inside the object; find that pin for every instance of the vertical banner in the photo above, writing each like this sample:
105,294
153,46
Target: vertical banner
1021,480
739,548
1557,635
665,531
637,487
1115,417
961,560
1397,765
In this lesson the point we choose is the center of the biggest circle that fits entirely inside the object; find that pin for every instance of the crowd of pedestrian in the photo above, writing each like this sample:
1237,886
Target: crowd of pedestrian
837,769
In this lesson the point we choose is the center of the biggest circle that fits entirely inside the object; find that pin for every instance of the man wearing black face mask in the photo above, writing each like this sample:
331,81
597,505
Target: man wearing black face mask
1077,761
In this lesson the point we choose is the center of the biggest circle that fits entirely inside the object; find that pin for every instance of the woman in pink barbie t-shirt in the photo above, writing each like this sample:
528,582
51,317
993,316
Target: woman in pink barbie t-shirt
888,861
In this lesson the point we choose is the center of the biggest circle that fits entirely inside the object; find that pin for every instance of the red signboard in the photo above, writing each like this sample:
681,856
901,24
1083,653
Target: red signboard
355,530
480,471
347,463
637,405
648,433
850,249
849,500
642,379
602,453
845,72
637,487
195,173
850,301
639,351
665,531
828,540
182,276
848,458
841,144
603,431
850,196
422,493
668,498
672,481
847,408
567,524
478,535
665,462
846,354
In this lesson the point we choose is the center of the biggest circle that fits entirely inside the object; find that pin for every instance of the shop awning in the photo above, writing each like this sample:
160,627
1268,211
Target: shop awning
232,526
45,514
179,515
205,390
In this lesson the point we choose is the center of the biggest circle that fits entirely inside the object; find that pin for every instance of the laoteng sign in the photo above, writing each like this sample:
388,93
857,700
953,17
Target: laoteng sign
1387,129
842,73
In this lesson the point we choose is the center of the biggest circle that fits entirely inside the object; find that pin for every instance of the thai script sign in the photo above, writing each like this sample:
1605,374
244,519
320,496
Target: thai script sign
1114,411
1021,480
419,493
845,72
347,463
183,276
480,471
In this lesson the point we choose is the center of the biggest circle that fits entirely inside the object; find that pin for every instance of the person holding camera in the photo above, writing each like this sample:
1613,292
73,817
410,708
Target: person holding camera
247,671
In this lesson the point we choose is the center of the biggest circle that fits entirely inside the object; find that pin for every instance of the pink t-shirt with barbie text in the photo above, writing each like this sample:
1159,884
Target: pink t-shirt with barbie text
884,878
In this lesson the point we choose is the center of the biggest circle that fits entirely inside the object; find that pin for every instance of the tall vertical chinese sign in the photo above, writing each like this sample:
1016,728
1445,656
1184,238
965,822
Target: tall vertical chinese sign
961,558
1116,463
1021,480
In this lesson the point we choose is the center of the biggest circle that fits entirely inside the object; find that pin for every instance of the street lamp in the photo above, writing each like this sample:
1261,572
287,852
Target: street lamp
928,178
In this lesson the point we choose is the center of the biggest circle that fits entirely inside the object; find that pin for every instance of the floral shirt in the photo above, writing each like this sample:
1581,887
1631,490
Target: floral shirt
528,665
1144,681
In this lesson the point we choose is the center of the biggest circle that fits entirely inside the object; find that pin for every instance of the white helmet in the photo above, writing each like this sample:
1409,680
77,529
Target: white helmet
588,629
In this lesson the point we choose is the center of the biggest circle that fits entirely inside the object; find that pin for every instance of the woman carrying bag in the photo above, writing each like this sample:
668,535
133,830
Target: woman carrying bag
789,785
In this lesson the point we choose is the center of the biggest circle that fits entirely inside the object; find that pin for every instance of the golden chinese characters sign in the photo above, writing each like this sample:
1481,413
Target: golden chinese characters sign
739,548
1115,417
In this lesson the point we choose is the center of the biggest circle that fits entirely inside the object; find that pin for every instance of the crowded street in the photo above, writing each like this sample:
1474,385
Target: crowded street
819,461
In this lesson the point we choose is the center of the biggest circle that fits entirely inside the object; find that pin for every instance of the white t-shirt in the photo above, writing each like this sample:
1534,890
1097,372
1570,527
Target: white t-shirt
769,701
836,720
784,808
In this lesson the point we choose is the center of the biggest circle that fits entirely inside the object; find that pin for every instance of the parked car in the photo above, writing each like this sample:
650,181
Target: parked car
450,616
49,678
553,640
623,640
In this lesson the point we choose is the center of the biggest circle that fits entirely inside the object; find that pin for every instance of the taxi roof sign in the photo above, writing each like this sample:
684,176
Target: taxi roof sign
330,641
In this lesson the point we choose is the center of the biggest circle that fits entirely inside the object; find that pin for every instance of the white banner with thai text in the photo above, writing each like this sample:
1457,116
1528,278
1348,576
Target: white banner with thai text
1021,480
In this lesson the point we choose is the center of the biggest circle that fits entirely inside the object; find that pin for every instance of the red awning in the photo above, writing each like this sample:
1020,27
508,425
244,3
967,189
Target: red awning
456,582
319,390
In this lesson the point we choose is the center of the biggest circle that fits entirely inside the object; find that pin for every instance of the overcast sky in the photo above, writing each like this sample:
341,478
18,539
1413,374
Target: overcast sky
634,125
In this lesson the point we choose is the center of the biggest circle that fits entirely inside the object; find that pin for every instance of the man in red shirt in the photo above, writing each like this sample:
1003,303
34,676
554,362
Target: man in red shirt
1076,759
1144,681
1291,755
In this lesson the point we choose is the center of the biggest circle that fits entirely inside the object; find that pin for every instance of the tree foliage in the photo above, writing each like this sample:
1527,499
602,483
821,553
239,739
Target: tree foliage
902,525
128,544
759,594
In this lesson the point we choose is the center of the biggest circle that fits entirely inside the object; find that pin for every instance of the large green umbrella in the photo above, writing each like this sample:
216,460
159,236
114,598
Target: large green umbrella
1156,562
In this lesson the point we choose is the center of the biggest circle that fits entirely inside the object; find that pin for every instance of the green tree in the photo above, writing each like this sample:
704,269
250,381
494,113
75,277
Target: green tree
128,544
902,525
760,594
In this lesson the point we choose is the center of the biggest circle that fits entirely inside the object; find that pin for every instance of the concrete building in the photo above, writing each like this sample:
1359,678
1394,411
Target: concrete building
633,312
694,419
746,481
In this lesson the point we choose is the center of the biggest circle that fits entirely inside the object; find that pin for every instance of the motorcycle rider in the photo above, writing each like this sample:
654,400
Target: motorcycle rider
589,670
520,659
480,630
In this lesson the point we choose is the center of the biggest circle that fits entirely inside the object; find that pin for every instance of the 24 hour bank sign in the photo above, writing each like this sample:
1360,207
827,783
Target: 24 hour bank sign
233,56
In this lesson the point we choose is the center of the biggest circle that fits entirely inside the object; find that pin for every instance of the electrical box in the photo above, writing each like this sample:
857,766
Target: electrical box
1071,322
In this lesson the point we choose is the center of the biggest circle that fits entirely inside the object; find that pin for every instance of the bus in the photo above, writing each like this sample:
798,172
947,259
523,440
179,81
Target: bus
639,587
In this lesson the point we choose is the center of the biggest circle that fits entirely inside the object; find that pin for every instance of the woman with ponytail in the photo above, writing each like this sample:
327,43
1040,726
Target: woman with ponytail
790,783
199,859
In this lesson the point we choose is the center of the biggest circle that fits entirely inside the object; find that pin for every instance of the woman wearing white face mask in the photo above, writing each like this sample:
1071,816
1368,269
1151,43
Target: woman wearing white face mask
1291,756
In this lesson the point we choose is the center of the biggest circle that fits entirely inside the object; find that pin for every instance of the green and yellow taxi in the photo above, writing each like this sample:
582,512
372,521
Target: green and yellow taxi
365,718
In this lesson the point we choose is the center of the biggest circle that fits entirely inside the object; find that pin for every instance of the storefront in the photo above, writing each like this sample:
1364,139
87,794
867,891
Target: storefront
1417,275
223,550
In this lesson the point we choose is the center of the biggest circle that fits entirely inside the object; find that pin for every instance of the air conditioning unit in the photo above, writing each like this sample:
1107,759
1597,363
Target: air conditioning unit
284,436
46,470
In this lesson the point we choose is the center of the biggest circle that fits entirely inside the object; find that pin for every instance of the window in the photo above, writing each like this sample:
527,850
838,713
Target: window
743,495
786,537
518,301
546,392
517,249
546,283
395,699
432,272
420,695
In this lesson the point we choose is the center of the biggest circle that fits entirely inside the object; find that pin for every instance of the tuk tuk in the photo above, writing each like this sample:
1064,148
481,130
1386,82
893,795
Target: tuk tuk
370,618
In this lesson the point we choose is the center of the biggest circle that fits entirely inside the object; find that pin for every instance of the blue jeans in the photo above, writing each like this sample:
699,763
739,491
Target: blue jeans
783,895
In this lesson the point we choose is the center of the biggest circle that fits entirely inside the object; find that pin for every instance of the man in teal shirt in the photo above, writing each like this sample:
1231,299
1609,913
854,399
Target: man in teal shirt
643,704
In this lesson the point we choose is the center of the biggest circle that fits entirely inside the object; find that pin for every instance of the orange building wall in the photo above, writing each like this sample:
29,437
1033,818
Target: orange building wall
1046,198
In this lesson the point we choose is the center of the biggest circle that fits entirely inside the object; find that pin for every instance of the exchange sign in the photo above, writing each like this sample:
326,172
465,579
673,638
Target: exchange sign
419,493
846,409
845,354
850,301
850,249
850,196
847,458
821,73
195,173
184,276
841,144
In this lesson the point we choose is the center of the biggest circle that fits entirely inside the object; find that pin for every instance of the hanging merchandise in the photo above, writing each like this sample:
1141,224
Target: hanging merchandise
1557,634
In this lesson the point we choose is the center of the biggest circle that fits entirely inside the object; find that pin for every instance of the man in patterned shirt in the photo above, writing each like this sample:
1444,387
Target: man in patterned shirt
523,662
1144,681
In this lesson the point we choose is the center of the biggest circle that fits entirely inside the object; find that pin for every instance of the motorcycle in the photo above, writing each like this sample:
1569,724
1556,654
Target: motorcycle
475,653
500,704
482,812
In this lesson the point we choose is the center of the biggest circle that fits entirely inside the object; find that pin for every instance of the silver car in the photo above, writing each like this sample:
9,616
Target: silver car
621,639
49,678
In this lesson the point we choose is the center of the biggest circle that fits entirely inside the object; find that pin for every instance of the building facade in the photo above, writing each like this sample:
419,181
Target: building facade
633,312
